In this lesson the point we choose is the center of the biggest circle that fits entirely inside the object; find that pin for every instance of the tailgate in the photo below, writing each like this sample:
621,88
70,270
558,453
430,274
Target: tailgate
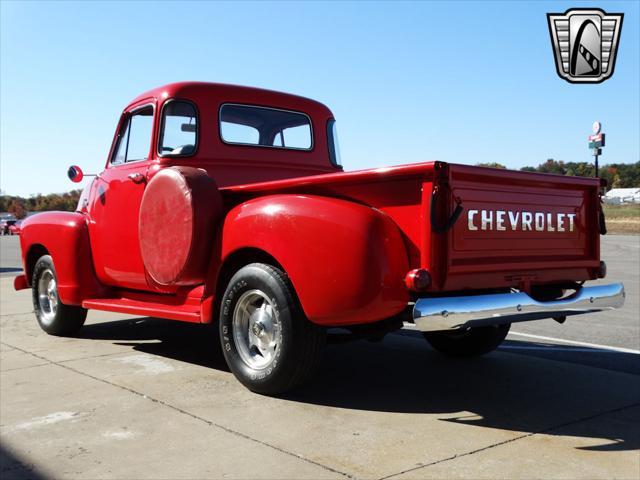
517,227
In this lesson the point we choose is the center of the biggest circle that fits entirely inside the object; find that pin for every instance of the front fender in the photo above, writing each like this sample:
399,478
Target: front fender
64,235
346,261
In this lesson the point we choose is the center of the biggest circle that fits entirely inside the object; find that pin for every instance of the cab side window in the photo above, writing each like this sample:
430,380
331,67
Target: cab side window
179,129
134,139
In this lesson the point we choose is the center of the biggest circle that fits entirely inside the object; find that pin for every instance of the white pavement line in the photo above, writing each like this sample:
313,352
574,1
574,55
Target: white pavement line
410,326
555,348
573,342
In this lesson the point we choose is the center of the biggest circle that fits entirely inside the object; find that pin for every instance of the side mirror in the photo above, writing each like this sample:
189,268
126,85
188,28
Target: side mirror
75,174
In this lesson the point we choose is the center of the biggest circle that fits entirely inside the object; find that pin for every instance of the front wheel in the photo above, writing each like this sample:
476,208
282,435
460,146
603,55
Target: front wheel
54,317
472,342
267,342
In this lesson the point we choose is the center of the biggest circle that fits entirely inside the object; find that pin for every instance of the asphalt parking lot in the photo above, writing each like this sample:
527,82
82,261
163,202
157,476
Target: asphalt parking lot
137,397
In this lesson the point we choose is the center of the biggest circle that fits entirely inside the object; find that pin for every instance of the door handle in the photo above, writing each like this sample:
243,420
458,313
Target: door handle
137,177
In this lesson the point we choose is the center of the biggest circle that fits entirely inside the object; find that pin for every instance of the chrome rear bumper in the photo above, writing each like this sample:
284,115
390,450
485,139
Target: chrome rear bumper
448,313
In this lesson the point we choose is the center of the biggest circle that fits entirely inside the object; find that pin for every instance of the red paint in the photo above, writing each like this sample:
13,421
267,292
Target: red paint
20,282
346,261
173,307
472,256
348,241
178,209
64,236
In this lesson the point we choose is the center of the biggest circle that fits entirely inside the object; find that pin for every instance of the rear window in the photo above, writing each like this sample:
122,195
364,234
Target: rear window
265,127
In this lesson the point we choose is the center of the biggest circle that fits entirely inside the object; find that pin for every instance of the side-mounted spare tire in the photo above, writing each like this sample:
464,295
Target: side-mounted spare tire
179,212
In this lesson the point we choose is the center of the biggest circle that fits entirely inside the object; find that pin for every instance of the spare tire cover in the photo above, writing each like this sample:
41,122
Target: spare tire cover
178,215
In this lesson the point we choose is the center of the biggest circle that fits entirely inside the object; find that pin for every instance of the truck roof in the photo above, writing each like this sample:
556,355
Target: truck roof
236,93
237,164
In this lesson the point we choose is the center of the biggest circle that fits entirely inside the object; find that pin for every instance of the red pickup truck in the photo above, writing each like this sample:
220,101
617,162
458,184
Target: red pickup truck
229,204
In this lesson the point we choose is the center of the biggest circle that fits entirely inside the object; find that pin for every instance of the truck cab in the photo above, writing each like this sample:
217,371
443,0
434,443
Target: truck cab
227,204
251,136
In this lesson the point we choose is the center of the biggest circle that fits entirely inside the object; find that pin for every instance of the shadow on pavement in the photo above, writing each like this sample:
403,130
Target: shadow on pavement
12,467
193,343
402,375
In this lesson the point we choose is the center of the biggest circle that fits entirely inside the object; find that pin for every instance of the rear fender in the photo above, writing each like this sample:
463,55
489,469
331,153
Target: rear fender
64,236
346,261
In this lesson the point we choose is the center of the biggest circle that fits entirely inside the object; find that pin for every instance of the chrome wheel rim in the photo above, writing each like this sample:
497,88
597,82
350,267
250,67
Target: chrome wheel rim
256,329
47,296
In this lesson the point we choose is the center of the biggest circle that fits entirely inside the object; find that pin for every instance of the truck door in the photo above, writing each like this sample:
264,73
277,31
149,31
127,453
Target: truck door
115,202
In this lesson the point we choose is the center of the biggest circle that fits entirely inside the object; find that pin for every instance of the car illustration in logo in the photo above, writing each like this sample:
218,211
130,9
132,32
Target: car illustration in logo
585,43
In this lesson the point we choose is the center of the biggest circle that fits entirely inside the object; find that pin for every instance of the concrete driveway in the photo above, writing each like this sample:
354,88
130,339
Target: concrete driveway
135,397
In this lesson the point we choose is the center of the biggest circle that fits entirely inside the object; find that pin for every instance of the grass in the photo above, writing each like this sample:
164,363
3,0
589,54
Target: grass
623,218
622,211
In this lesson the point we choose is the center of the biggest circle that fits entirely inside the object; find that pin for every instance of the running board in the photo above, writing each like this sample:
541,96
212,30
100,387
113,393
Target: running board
184,309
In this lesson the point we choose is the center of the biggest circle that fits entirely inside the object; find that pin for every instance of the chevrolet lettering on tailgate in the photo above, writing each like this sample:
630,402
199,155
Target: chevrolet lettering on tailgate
503,220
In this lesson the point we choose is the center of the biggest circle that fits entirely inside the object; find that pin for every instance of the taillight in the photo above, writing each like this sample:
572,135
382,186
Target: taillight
417,279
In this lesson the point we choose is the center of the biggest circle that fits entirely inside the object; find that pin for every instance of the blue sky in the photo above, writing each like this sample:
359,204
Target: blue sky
462,82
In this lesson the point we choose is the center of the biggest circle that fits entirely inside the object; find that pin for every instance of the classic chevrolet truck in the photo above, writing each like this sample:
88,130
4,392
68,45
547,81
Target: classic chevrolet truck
229,204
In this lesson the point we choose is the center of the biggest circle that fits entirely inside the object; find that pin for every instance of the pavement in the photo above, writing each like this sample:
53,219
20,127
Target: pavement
138,397
10,264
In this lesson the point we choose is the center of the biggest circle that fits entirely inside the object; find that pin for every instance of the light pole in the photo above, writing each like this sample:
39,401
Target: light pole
596,142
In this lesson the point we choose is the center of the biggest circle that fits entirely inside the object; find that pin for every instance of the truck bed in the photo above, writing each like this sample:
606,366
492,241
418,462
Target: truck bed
538,228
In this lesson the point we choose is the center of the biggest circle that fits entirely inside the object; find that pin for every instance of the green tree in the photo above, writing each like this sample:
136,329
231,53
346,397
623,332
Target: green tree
41,203
617,175
580,169
491,165
629,174
553,166
17,208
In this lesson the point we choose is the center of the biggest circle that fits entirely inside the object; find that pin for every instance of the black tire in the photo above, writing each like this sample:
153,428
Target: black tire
470,343
61,320
298,343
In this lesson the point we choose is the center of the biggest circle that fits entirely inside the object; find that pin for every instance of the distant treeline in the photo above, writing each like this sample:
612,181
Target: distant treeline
617,175
19,206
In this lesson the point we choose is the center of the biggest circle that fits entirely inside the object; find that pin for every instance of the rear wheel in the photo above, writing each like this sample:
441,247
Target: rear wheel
267,342
472,342
54,317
